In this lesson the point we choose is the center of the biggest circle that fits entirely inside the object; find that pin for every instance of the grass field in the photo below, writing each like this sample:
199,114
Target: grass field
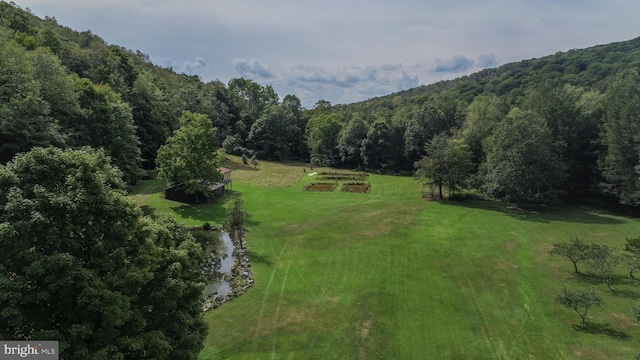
388,275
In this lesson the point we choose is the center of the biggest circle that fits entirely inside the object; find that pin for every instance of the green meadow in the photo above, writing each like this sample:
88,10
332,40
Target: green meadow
389,275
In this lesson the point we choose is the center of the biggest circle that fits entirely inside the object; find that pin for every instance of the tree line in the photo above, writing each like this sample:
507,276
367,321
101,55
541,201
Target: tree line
540,130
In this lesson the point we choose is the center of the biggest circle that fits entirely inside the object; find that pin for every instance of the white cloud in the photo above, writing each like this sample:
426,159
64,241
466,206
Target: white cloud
327,36
252,68
348,84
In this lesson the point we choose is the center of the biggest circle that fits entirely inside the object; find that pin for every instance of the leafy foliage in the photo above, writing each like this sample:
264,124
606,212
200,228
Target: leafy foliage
448,162
83,266
603,263
522,164
190,158
580,301
575,250
633,248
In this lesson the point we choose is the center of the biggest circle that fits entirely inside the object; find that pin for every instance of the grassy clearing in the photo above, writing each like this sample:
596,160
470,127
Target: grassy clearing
388,275
270,174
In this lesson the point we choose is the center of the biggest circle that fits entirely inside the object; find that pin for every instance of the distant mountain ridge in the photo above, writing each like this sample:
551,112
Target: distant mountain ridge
591,67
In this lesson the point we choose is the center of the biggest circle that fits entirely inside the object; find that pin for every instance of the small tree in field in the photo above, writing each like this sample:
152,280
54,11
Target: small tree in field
575,250
580,301
235,216
603,263
633,247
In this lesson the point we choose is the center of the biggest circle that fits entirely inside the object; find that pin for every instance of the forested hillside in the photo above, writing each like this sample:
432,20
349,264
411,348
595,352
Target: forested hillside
535,130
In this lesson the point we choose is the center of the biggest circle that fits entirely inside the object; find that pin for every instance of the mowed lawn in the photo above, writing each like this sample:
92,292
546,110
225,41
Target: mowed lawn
388,275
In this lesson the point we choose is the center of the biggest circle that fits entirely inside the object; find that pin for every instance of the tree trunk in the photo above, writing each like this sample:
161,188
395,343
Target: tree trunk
575,266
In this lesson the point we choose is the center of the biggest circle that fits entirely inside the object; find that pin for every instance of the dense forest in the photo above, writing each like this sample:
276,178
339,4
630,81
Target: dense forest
539,130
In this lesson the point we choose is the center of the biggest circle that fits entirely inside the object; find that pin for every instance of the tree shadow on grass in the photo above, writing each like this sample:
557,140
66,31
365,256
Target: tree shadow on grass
213,212
602,329
543,213
258,258
626,293
616,282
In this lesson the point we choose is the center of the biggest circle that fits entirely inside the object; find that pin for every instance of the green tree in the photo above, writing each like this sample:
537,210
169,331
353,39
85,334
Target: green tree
350,140
322,139
621,137
107,123
420,129
274,133
47,37
24,115
580,301
575,250
151,115
190,158
483,114
633,248
234,221
432,168
603,263
448,162
382,148
83,266
574,132
522,164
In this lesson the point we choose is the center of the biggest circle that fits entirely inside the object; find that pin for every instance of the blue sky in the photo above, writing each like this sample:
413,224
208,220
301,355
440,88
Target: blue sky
349,50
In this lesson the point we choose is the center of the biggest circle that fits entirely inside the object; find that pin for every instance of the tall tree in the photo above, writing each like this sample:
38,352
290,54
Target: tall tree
322,139
448,163
190,158
274,134
382,148
420,129
107,123
351,138
81,265
151,115
574,132
24,115
522,164
483,114
621,137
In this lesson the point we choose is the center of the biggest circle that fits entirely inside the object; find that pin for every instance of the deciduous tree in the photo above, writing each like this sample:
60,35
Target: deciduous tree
191,157
575,250
633,248
322,139
522,164
83,266
580,301
603,263
448,162
351,138
621,137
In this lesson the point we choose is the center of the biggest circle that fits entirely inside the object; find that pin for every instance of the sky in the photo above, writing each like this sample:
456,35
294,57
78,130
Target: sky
344,51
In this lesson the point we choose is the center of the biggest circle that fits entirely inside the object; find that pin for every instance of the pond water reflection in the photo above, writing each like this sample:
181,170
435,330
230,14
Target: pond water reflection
221,252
